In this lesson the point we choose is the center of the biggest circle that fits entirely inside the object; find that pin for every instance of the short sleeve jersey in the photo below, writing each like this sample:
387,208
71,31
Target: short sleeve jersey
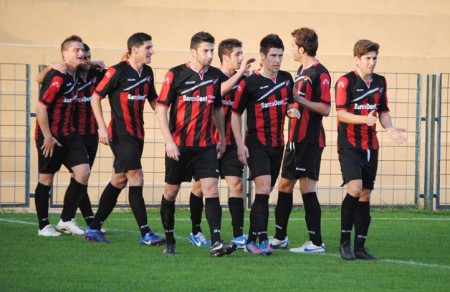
59,94
227,105
192,98
266,100
359,97
313,83
127,90
84,118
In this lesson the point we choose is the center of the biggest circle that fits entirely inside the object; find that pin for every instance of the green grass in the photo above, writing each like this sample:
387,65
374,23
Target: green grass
413,246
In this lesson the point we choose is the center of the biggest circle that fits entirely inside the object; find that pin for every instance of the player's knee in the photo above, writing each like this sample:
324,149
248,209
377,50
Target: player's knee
285,186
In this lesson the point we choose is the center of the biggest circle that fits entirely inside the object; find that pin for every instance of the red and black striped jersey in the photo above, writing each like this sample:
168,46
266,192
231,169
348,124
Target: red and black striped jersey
59,94
313,83
83,118
265,100
359,97
127,90
227,104
192,97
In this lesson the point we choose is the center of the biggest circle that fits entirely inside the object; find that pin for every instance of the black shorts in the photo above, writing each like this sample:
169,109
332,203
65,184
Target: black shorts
265,160
359,164
301,160
91,143
127,152
197,162
229,164
72,152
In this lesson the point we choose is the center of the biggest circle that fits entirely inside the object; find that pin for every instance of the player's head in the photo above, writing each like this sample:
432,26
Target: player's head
366,55
362,47
270,41
72,50
140,47
271,49
86,65
304,40
202,48
230,52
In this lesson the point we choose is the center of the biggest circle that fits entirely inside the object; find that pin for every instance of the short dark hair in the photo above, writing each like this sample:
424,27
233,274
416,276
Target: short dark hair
137,39
201,37
307,39
86,47
362,47
270,41
226,47
68,41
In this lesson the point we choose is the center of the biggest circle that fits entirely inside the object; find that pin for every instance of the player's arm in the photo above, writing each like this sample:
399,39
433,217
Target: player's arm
59,66
49,141
292,112
396,134
96,105
219,120
236,126
226,86
318,107
172,150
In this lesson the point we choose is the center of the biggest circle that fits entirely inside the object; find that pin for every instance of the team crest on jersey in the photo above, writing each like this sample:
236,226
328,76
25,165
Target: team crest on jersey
326,82
341,84
56,84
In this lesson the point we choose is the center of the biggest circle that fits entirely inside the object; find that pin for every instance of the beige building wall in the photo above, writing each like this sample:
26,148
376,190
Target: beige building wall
413,35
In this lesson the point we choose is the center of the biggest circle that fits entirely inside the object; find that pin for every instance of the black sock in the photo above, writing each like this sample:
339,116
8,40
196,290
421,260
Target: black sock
213,212
137,205
348,210
236,206
168,219
362,222
259,217
41,197
196,207
74,194
312,217
107,203
282,213
86,209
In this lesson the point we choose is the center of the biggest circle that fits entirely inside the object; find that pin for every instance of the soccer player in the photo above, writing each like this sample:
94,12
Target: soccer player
83,118
306,141
233,67
192,92
127,84
361,96
58,142
267,97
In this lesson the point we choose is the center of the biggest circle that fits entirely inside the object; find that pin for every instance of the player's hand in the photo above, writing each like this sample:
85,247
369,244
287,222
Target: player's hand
59,66
247,63
99,65
125,56
243,154
221,146
293,113
172,150
49,145
103,136
397,135
371,118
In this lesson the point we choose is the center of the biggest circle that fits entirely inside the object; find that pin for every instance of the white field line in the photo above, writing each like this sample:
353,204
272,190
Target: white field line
393,261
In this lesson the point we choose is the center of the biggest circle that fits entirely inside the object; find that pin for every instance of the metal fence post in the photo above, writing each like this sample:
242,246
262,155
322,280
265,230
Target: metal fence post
429,142
417,140
27,138
438,139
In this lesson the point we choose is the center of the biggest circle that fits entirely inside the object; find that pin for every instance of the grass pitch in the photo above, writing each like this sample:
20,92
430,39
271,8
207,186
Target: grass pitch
413,247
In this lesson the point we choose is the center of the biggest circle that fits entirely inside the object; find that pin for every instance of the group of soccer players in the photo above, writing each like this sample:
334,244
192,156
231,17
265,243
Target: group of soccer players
199,111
